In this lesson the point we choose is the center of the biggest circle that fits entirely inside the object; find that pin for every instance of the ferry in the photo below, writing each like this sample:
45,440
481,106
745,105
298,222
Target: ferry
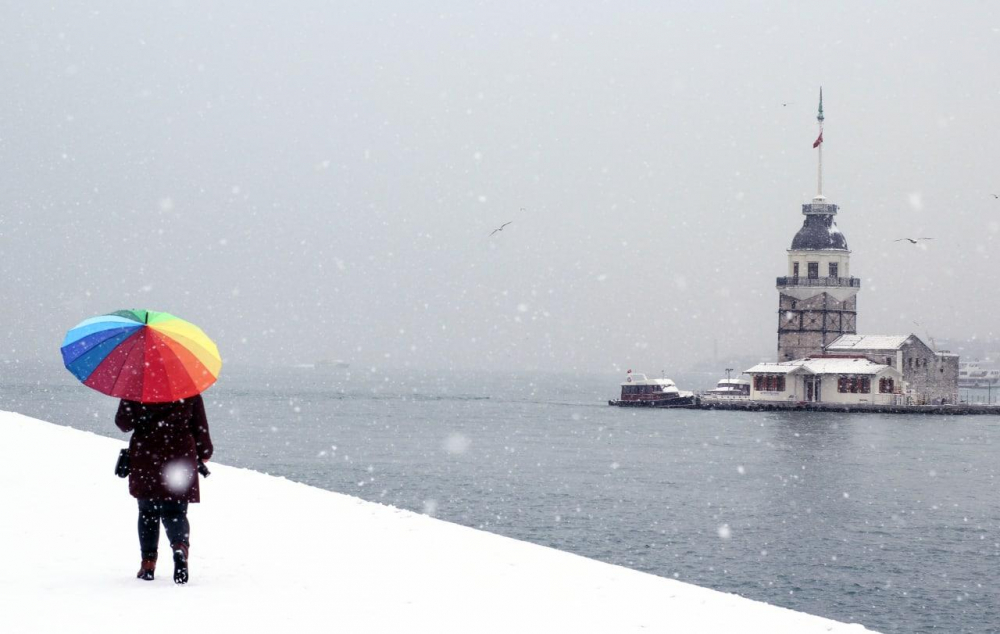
639,391
970,374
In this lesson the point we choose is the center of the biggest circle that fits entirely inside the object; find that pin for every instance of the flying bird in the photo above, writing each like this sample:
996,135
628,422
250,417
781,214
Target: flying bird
995,196
500,228
912,240
790,103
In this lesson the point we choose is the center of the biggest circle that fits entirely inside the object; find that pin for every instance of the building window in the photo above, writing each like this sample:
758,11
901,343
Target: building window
888,360
795,269
813,270
769,382
886,386
852,384
833,269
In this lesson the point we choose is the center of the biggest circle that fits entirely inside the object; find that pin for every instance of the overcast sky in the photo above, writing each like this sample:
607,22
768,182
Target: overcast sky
314,180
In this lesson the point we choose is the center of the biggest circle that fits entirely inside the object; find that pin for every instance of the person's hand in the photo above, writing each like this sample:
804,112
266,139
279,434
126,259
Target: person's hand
205,459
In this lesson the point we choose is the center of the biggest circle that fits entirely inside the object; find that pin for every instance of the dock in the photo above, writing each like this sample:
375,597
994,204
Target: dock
958,409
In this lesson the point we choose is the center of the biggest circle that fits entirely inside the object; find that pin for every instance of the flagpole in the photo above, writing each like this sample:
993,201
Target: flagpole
819,118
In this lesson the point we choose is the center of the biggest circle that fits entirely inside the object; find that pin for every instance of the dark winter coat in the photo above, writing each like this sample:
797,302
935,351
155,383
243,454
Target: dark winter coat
167,441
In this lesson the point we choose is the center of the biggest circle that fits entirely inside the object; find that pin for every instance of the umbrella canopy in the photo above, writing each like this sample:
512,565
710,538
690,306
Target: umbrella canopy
142,355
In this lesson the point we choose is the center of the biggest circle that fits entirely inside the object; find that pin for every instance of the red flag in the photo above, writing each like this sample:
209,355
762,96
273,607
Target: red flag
818,140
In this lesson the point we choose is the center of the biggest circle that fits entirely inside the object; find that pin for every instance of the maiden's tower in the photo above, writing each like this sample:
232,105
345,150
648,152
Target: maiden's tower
817,300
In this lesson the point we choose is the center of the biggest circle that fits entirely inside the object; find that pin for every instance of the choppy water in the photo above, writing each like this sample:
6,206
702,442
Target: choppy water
889,521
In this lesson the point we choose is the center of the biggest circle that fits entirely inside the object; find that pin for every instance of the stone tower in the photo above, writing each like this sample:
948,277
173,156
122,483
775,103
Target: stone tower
817,300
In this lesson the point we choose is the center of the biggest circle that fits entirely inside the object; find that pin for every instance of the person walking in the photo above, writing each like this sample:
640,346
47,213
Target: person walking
168,442
158,365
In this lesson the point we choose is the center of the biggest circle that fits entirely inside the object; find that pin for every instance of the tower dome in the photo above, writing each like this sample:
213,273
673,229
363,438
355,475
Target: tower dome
819,230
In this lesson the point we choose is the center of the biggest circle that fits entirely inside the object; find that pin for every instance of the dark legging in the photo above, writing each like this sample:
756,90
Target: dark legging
174,516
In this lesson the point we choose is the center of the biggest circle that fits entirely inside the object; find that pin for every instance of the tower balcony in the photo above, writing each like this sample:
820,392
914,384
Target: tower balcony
826,282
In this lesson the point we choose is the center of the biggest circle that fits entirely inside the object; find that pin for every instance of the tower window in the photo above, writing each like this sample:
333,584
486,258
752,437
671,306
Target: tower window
833,269
813,270
795,269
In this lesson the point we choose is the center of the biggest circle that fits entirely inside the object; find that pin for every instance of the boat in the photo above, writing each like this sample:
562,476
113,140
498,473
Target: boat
971,374
730,389
640,391
333,363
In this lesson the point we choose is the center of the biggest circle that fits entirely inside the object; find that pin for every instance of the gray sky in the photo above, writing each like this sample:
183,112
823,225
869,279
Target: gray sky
319,180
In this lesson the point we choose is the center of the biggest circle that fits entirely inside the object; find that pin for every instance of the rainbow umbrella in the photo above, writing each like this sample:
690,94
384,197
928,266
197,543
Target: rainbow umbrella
142,355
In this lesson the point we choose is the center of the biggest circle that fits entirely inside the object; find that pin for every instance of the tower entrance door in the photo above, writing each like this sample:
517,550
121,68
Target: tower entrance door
813,386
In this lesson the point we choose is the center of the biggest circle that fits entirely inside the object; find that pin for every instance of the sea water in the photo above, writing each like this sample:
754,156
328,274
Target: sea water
892,521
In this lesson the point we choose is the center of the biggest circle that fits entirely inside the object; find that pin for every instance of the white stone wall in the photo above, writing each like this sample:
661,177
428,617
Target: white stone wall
824,258
795,390
774,396
831,394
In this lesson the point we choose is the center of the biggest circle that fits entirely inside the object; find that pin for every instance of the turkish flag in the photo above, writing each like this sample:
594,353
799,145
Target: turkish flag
818,140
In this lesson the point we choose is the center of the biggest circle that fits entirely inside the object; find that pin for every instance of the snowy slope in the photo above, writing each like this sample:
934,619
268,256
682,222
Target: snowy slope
270,555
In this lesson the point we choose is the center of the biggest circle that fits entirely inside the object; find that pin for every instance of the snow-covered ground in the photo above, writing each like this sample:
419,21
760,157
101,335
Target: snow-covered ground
270,555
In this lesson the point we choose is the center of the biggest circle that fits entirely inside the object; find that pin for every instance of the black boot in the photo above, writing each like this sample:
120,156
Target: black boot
180,563
148,567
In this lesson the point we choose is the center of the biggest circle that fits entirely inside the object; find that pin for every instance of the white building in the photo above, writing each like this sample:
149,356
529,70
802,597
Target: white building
834,380
931,376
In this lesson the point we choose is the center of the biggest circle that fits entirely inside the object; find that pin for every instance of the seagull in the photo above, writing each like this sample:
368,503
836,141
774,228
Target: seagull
912,241
500,228
995,196
790,103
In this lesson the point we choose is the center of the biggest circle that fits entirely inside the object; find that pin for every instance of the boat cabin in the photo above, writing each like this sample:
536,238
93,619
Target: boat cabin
638,389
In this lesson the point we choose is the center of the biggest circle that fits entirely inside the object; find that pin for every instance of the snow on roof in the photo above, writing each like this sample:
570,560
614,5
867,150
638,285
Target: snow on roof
638,378
843,366
868,342
776,368
825,365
